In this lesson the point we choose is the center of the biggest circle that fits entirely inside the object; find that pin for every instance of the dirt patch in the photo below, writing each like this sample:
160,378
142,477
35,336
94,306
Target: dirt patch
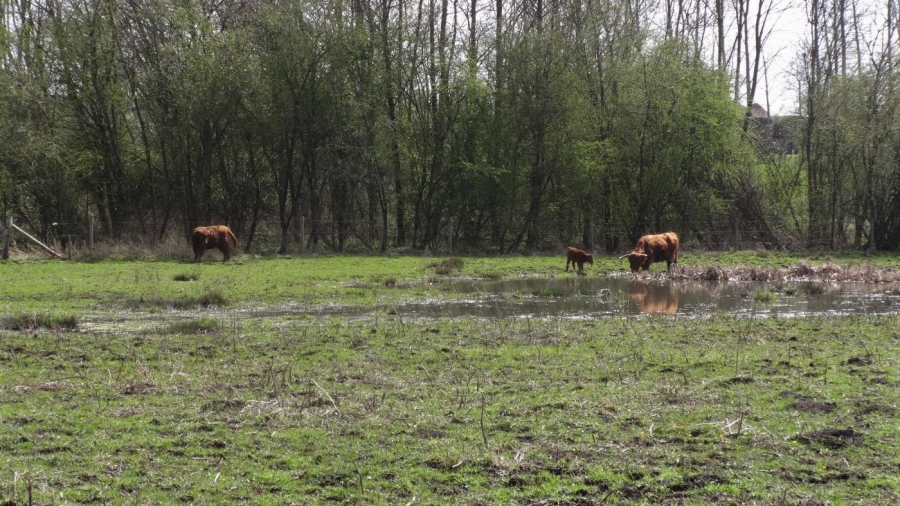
138,389
867,408
699,481
430,433
48,386
223,405
812,406
832,438
792,395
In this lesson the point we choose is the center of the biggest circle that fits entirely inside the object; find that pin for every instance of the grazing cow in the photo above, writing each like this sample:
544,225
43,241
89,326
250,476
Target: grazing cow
575,255
212,237
654,248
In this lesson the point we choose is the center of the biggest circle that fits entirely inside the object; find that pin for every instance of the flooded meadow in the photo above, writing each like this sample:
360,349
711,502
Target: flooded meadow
576,298
316,382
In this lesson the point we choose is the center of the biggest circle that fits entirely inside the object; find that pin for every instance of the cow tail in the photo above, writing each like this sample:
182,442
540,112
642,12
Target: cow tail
233,237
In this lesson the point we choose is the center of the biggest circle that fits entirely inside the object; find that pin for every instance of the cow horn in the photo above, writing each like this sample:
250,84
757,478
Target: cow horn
623,256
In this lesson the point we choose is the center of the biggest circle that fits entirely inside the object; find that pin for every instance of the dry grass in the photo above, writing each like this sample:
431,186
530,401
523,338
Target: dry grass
827,272
138,248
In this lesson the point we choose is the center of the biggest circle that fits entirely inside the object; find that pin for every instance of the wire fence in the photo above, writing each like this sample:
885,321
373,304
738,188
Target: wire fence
78,238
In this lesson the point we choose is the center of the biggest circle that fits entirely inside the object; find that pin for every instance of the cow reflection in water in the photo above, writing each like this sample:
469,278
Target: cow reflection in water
653,298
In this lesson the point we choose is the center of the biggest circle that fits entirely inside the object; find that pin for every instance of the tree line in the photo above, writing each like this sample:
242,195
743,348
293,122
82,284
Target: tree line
497,125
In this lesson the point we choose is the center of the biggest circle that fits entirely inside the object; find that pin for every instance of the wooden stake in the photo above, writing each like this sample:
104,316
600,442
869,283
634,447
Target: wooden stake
91,233
39,243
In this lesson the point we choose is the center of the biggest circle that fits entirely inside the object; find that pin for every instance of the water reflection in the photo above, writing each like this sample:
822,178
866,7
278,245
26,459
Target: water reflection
599,297
654,298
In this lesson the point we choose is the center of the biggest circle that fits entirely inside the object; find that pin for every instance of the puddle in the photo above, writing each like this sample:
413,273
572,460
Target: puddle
576,298
600,297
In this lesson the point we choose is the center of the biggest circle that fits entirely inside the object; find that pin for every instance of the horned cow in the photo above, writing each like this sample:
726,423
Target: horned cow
653,248
575,255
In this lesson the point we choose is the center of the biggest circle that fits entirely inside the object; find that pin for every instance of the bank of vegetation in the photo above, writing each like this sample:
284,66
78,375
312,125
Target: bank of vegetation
489,127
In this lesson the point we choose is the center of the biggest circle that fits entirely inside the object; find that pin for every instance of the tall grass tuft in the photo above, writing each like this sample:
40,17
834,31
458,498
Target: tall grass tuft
32,321
448,265
184,276
814,288
550,292
201,326
139,248
764,296
210,298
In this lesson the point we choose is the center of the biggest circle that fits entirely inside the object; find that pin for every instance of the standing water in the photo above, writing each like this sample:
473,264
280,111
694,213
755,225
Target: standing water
600,297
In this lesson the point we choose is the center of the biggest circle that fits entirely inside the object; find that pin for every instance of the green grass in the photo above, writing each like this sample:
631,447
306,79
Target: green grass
76,286
650,410
215,391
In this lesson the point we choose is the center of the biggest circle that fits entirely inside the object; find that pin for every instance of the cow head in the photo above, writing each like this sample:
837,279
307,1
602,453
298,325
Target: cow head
589,258
636,260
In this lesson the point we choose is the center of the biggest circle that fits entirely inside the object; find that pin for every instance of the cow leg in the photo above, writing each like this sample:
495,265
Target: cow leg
199,249
567,265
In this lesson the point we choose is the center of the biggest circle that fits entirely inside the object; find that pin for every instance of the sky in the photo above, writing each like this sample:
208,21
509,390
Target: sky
789,31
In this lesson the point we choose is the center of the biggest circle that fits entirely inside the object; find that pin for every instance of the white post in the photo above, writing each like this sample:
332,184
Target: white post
46,248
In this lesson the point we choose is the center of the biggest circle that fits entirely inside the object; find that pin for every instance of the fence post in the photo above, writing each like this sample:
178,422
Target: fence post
6,234
450,235
590,243
302,235
91,233
737,234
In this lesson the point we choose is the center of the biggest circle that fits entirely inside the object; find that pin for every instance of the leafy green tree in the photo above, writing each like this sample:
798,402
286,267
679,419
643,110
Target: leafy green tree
676,135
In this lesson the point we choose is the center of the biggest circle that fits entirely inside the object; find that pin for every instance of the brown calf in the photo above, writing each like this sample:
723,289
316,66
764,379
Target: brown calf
575,255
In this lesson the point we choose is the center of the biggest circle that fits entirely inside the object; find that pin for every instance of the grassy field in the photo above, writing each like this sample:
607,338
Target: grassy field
288,409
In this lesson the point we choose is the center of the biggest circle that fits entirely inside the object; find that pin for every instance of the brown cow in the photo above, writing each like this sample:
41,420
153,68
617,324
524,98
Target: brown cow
654,248
575,255
212,237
